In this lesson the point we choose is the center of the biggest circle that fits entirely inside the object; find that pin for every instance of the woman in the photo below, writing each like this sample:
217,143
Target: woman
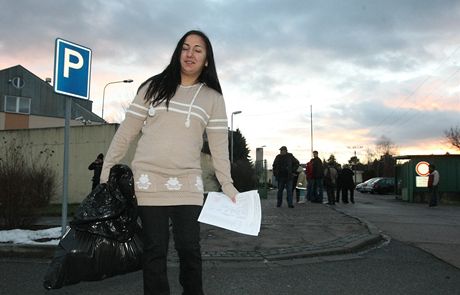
301,185
172,110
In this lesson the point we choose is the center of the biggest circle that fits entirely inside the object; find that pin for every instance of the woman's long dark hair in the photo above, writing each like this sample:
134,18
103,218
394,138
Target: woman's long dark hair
162,87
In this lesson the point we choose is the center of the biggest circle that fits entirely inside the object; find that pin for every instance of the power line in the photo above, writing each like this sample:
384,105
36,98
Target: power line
402,120
393,114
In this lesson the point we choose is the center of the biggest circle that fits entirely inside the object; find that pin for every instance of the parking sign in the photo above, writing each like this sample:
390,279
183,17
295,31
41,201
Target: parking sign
72,69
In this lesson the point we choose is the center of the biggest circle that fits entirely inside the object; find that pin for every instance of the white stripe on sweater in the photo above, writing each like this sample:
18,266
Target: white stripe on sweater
139,106
143,116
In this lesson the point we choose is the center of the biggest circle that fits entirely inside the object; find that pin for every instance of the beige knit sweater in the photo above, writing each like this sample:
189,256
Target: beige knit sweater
166,163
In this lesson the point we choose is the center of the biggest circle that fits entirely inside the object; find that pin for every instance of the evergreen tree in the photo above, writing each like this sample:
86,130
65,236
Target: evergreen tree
332,161
242,169
240,147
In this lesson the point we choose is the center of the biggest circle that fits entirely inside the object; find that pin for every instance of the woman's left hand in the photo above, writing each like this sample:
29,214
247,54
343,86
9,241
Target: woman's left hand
233,199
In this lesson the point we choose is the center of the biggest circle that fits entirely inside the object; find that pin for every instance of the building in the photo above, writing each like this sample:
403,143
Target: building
27,102
413,187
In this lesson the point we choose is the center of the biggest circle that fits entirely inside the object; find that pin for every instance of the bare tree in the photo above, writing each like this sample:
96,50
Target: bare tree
384,146
370,155
453,136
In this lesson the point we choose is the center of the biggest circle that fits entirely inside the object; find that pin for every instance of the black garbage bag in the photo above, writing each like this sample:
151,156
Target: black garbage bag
104,236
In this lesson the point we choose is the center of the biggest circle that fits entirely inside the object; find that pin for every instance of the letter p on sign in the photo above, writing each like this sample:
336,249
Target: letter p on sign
72,69
68,53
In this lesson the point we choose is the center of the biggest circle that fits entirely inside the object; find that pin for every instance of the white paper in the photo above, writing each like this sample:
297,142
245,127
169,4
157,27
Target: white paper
243,217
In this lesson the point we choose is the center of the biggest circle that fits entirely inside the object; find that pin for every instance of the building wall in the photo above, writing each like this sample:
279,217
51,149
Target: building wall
49,122
10,121
16,121
2,121
86,142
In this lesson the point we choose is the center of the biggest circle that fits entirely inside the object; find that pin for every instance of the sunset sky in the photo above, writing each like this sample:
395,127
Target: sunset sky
367,68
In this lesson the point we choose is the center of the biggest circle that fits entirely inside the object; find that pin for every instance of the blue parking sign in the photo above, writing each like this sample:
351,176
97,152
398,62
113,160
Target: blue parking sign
72,69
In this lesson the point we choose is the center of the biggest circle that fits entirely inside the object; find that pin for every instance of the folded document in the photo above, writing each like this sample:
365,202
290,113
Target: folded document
243,217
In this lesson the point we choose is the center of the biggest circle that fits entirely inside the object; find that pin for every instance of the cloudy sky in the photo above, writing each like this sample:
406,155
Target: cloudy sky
365,68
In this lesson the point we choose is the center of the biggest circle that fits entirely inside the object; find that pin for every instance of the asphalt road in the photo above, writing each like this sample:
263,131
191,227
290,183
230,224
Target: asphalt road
395,268
435,230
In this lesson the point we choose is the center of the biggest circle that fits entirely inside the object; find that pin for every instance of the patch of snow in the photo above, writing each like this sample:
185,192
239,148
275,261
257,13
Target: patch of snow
30,237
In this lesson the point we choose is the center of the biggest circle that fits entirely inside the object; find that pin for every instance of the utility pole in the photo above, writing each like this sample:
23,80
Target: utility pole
231,137
311,129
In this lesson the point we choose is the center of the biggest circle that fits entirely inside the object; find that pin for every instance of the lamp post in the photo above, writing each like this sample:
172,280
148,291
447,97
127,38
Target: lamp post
231,138
103,93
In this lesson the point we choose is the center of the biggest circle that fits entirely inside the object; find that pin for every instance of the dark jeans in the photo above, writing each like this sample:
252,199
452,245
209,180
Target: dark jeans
284,183
309,189
317,195
330,190
434,195
295,191
186,233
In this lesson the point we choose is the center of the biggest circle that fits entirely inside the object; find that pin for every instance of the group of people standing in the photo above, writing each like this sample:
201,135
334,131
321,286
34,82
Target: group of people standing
339,181
310,183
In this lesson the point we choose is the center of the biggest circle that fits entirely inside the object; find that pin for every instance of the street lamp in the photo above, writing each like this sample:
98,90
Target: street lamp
231,138
103,93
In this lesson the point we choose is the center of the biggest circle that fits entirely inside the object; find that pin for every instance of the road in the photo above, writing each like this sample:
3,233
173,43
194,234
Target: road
407,264
435,230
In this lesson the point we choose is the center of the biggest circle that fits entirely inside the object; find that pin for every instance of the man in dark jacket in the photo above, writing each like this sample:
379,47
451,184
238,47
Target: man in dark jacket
347,184
284,167
318,174
97,167
309,172
433,181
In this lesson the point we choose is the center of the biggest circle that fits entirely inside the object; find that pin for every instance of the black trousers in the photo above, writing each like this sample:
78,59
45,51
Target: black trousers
186,233
338,192
345,191
434,195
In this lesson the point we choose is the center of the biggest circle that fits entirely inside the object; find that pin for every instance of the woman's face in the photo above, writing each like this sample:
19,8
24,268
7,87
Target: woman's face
193,56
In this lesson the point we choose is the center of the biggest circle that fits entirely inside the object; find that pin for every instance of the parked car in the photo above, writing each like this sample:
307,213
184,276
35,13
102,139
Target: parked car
359,186
384,185
367,185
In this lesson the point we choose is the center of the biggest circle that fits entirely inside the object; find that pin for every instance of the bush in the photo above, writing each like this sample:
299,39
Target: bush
244,176
27,183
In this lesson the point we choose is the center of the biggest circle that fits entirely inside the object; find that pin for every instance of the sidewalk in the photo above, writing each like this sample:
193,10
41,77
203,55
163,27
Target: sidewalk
307,230
286,233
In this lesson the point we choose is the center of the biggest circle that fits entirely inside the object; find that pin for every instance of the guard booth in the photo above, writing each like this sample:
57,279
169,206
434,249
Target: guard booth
412,177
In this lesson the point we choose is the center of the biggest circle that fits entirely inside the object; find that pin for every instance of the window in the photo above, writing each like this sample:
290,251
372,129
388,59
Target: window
15,104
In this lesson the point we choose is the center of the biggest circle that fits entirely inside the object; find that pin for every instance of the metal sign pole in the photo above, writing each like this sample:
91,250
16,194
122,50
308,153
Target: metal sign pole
65,187
72,72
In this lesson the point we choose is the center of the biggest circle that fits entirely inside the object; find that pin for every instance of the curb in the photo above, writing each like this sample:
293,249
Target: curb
27,251
344,245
